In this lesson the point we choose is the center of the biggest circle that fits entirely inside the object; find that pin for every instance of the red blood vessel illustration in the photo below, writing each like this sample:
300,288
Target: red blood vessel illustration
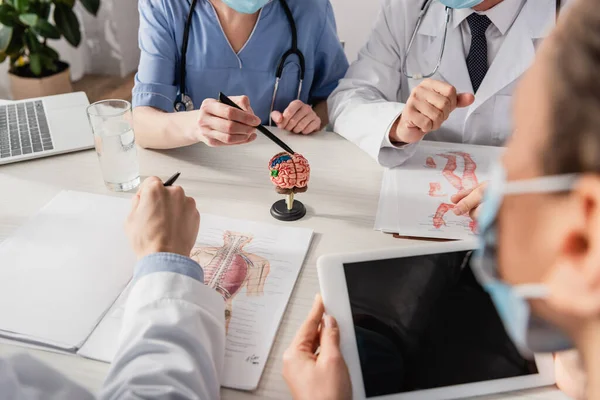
466,182
229,268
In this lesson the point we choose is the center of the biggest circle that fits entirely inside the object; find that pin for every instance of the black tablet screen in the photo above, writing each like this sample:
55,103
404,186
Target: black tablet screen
424,322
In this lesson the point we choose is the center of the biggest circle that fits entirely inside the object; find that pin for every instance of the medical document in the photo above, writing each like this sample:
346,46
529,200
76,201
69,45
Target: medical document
81,253
415,197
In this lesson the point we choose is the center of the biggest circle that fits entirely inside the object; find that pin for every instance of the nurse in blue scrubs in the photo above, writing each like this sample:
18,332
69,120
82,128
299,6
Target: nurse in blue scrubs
235,47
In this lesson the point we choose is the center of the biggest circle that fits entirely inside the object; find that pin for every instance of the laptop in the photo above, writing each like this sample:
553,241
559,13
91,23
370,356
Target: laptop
43,127
416,325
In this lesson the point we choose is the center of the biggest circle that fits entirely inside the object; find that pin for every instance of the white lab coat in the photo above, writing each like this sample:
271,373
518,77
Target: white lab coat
372,95
172,346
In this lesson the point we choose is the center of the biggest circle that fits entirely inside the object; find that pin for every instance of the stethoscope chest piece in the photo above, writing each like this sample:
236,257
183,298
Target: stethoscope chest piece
185,103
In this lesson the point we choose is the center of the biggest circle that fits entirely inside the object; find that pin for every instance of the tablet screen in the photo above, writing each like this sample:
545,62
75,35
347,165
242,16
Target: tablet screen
424,322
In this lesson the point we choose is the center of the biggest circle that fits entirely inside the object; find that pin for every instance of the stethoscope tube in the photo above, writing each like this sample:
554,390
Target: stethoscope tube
185,103
424,9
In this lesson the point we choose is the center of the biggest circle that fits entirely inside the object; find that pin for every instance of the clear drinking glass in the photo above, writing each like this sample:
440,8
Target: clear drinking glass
112,124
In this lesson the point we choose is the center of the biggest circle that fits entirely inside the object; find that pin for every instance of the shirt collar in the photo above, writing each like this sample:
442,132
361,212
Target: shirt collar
501,15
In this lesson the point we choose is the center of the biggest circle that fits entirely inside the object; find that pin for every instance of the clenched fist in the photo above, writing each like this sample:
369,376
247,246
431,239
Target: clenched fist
162,220
428,106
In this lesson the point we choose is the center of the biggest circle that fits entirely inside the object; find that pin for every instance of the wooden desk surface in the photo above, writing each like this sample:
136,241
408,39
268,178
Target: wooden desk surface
234,182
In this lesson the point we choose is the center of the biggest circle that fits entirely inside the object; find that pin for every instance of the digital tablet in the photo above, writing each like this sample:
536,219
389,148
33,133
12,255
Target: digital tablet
416,324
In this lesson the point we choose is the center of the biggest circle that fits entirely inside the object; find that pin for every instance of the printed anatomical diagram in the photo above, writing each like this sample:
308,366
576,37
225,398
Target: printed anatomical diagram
229,268
466,182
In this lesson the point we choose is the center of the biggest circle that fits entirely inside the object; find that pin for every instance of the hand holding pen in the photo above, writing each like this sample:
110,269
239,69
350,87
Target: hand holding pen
221,125
162,219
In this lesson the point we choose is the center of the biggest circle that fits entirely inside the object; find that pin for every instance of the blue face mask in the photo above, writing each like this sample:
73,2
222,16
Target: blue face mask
246,6
529,333
461,3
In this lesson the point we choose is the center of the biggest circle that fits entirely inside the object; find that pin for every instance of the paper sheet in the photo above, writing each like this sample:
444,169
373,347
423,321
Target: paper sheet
255,266
266,259
415,197
74,248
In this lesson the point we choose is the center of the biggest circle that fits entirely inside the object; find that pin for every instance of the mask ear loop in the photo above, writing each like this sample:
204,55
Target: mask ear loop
531,291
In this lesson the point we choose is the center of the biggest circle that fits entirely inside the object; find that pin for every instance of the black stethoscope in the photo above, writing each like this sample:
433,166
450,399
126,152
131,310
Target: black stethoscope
184,101
424,8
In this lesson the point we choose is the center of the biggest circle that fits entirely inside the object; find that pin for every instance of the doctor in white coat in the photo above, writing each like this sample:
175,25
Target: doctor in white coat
172,342
381,105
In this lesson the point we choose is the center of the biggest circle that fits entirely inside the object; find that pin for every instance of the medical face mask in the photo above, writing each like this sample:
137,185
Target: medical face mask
529,333
246,6
461,3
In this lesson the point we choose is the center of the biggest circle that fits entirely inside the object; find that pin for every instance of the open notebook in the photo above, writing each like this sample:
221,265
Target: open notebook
64,280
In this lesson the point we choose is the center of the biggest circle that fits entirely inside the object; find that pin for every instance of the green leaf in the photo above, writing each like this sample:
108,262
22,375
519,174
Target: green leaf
8,15
50,53
45,29
6,35
29,19
17,42
32,42
67,24
35,64
70,3
91,5
21,5
48,63
2,57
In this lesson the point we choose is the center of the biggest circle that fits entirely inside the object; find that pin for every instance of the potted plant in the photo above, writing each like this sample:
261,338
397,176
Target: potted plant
25,27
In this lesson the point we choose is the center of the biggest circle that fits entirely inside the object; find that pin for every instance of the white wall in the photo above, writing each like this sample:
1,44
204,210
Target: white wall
355,19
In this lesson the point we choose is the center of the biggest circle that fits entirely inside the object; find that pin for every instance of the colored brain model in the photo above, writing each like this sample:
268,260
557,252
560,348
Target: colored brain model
289,173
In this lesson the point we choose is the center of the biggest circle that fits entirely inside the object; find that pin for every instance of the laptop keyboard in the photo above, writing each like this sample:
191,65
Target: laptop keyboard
24,129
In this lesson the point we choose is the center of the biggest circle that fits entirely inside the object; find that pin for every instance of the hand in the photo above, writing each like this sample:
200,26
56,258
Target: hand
468,201
428,106
297,118
222,125
162,219
312,376
570,374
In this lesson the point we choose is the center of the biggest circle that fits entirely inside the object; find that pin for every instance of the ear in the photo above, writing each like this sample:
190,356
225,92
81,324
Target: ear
574,282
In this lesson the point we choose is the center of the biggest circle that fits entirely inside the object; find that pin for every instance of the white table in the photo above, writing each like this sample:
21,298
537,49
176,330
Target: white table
234,182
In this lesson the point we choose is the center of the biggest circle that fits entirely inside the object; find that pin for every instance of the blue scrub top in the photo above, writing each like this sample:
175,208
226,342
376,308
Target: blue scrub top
213,66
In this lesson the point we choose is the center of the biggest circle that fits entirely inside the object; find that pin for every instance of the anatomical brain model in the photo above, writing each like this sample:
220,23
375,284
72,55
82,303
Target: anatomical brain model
290,174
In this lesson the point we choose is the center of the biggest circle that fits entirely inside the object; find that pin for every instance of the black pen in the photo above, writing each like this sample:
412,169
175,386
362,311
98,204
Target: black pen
171,180
226,100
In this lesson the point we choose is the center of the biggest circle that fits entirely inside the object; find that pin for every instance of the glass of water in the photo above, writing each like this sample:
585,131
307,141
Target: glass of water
112,124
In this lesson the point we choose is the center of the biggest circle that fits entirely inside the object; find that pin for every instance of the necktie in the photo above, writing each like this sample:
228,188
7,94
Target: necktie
477,60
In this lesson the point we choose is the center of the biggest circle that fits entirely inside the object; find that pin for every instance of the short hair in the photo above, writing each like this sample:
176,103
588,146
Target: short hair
574,137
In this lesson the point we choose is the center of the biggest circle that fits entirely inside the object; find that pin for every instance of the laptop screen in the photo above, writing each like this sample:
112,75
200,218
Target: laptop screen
424,322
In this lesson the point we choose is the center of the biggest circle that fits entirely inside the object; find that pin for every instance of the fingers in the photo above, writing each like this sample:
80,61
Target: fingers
309,331
223,111
416,119
277,117
313,127
294,107
243,102
460,195
330,339
227,126
442,88
304,122
434,114
295,113
464,100
469,201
